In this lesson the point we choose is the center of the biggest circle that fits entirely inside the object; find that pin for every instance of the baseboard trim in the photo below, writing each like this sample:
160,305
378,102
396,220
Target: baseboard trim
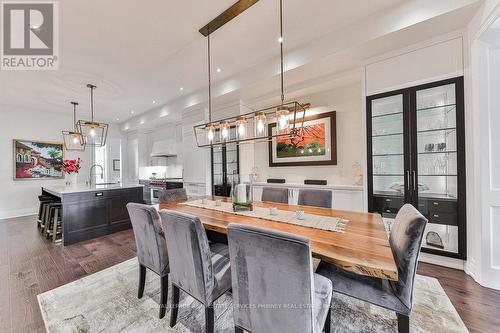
18,213
441,261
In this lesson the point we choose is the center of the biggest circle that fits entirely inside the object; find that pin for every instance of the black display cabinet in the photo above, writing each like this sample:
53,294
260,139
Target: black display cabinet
416,155
225,160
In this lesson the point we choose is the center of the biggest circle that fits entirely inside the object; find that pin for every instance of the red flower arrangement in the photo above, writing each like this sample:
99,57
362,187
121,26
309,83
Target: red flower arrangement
70,166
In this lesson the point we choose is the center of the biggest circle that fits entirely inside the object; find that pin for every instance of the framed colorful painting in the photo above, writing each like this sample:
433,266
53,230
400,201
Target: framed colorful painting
316,145
37,160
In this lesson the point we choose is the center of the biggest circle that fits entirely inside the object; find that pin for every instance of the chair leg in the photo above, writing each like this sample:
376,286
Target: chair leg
328,321
238,329
175,305
403,323
163,295
142,280
209,319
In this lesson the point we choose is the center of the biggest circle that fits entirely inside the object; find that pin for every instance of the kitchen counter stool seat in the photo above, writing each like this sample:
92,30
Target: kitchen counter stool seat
53,222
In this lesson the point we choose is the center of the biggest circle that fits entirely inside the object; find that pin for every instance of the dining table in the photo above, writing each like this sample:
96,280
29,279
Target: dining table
362,247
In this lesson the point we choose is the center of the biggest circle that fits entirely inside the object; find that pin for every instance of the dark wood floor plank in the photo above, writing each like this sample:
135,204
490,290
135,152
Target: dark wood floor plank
5,324
30,264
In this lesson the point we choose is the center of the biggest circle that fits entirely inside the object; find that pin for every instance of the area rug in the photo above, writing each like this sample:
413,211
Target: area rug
107,302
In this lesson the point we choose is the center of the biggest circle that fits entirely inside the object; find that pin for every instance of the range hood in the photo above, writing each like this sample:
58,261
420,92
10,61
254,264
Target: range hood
164,148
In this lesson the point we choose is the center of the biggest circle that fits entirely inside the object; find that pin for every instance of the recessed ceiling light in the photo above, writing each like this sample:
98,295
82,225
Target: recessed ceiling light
154,102
132,111
280,39
219,70
117,119
181,88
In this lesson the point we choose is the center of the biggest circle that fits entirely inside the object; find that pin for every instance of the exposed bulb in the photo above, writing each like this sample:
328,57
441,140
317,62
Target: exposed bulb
260,127
75,140
210,134
92,132
224,133
241,130
224,130
283,122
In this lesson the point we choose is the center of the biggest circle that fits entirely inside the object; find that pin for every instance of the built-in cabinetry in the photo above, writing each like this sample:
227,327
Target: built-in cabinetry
416,154
225,161
344,197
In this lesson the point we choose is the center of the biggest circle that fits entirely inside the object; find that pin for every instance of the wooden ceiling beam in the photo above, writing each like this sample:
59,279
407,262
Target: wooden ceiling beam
226,16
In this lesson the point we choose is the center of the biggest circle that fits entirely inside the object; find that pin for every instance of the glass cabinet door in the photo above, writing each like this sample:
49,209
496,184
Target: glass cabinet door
388,146
435,179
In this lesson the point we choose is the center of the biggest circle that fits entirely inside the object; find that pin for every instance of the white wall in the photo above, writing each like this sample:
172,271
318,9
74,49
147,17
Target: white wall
20,197
347,102
483,205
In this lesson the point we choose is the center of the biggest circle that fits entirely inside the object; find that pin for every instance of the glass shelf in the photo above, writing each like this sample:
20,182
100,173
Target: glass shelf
382,135
450,130
437,152
389,154
386,115
449,107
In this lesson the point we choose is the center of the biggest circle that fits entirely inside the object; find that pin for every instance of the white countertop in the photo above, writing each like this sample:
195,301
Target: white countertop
79,188
302,185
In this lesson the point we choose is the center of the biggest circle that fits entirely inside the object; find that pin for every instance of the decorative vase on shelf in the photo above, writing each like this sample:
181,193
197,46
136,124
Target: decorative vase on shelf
241,194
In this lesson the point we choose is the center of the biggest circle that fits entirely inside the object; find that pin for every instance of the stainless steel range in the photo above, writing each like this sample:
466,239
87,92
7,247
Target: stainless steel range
152,187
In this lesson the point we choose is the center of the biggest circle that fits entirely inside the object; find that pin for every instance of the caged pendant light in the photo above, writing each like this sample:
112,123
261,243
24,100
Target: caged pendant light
73,139
93,133
253,126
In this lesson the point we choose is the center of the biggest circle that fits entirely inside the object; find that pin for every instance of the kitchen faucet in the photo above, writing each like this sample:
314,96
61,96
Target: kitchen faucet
90,172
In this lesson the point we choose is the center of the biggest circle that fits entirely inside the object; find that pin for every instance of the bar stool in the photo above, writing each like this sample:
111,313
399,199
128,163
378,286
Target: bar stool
53,221
44,200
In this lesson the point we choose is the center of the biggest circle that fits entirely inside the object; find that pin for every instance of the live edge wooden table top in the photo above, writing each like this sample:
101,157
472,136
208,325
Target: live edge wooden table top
363,248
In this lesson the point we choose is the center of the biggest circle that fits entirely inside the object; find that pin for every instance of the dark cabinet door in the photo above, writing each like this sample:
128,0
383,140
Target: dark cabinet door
438,163
388,152
416,155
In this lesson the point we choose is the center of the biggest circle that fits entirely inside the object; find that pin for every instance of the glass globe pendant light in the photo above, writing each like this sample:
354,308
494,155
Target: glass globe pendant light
93,133
73,139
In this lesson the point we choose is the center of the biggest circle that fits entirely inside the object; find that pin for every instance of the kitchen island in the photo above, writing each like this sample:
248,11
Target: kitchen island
93,211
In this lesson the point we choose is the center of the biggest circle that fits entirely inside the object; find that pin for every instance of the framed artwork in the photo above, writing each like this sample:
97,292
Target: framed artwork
37,160
317,144
116,165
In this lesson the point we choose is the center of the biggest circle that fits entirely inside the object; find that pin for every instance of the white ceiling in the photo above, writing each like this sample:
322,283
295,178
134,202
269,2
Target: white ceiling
137,52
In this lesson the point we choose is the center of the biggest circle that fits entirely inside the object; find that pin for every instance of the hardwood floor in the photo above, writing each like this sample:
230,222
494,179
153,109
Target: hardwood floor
30,265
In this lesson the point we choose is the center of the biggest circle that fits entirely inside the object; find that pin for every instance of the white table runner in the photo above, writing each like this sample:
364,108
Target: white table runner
328,223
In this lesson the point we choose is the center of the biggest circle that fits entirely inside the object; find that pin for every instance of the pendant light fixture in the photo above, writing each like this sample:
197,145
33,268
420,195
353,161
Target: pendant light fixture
93,133
73,139
287,117
282,112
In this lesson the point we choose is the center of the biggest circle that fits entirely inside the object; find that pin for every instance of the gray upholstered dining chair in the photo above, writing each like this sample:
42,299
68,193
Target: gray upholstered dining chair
275,269
199,269
275,194
316,198
405,239
151,248
172,195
